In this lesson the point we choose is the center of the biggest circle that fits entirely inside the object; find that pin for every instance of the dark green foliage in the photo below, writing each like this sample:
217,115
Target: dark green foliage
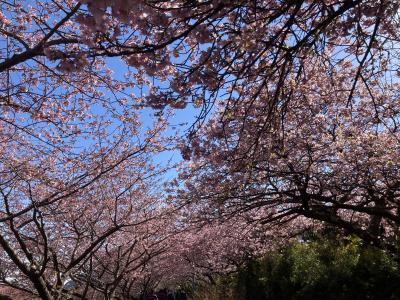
320,269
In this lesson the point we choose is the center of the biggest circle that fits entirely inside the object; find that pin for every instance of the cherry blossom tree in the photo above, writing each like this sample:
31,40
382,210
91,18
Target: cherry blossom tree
264,64
329,160
116,269
75,159
298,121
204,51
50,233
201,51
201,248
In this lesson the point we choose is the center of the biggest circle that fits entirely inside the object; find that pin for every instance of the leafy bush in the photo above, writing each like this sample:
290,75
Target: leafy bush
326,269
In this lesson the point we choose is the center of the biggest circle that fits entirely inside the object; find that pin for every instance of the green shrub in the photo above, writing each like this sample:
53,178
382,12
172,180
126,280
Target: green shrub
340,269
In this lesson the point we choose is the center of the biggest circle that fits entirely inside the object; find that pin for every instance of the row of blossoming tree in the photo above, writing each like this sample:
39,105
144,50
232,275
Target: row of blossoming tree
297,126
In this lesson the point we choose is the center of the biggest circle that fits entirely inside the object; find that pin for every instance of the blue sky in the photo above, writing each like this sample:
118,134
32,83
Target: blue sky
181,120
